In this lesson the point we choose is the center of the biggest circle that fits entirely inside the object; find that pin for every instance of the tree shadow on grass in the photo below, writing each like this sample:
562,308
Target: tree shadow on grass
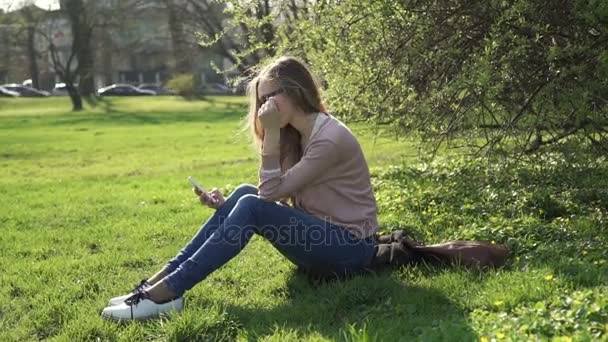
216,112
210,115
551,210
107,105
385,308
571,264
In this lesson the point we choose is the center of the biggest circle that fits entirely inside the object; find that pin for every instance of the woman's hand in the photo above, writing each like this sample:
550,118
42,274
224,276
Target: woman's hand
213,199
269,115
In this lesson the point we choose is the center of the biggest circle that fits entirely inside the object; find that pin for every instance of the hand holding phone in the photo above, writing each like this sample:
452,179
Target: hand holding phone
202,193
196,185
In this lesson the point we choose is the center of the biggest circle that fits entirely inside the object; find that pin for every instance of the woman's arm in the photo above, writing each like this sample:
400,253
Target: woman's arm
320,155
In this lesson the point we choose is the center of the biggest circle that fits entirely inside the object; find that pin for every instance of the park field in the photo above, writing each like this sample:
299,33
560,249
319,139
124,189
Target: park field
94,201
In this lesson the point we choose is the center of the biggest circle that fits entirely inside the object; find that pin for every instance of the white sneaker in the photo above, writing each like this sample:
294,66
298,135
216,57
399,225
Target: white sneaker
139,307
121,299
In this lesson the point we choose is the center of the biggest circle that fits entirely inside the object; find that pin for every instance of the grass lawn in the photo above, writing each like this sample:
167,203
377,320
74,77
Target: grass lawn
92,202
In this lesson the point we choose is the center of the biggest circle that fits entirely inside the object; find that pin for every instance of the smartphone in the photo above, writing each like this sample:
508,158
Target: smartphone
196,185
200,188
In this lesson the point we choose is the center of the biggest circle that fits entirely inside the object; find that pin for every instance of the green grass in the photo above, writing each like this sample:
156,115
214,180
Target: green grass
94,201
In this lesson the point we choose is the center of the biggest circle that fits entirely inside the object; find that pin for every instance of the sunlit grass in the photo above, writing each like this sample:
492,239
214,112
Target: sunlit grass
96,200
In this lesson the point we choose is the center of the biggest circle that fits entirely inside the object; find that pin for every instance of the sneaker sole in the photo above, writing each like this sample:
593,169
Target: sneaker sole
143,319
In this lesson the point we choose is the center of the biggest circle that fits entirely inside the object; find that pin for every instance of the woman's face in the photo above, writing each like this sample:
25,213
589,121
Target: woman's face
270,88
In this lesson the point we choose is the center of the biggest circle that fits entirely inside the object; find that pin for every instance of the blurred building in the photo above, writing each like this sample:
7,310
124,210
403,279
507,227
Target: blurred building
135,47
14,57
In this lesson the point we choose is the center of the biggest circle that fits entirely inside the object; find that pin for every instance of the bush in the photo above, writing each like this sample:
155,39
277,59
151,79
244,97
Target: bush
183,85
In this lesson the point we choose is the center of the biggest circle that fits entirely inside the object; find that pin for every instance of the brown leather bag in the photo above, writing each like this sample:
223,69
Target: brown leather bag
464,253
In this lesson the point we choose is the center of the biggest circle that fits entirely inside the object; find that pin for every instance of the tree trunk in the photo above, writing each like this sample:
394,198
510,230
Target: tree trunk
76,99
31,22
85,67
181,53
32,56
82,30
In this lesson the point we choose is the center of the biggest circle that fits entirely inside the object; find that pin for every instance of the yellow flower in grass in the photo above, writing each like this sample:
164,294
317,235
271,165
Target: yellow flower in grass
499,303
549,277
564,339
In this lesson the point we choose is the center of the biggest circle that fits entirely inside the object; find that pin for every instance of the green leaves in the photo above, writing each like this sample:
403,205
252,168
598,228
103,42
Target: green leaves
491,75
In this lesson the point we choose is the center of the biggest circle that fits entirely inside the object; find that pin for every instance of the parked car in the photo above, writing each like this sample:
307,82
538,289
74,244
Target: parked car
26,91
61,89
123,90
158,89
8,93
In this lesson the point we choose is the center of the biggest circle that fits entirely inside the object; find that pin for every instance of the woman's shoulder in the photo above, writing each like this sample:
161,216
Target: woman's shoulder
334,135
335,130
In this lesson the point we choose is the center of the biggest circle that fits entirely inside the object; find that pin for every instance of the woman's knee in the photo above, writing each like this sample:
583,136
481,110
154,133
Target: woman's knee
244,189
249,200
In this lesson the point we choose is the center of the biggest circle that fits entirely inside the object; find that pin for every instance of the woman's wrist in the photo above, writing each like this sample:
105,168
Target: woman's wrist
271,144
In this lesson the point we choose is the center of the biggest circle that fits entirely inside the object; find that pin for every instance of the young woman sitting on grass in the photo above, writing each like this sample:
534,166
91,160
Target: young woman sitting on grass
306,155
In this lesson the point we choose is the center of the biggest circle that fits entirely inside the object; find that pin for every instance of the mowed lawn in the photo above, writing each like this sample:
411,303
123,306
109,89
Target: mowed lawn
92,202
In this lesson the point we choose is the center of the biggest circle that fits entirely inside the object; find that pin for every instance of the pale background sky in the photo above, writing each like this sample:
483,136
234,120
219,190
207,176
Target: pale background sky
12,4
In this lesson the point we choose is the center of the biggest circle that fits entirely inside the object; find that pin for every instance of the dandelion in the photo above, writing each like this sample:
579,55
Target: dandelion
549,277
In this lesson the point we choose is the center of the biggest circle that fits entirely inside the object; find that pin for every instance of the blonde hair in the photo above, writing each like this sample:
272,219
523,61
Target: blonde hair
300,86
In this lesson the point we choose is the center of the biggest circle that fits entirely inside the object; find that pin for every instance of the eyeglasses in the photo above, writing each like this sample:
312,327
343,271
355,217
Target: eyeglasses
267,96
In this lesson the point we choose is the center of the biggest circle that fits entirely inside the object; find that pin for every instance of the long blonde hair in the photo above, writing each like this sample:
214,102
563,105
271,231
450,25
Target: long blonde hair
302,88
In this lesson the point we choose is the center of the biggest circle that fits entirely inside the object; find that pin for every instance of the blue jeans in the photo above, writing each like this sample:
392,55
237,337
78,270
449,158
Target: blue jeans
309,242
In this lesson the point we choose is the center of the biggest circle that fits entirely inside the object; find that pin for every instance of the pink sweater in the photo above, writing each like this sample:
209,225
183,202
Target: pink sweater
331,181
